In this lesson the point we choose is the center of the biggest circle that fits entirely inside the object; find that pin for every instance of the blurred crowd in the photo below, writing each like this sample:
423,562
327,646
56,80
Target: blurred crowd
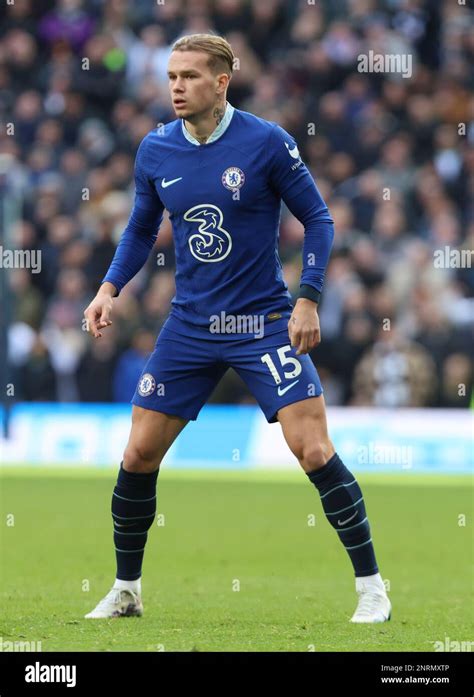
83,81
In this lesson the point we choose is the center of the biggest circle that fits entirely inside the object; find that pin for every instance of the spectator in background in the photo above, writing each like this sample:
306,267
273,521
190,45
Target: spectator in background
394,373
36,381
130,365
68,23
456,381
148,57
28,299
96,370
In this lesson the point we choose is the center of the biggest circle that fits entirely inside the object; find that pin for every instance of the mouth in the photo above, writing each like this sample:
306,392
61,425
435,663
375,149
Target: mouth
178,103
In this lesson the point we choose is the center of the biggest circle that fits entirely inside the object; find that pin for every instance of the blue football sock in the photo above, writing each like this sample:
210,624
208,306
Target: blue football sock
133,511
343,505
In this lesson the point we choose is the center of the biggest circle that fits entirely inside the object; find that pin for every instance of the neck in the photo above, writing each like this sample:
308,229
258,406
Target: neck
203,125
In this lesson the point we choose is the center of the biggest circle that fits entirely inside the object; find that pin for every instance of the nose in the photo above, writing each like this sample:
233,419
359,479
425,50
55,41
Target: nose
178,85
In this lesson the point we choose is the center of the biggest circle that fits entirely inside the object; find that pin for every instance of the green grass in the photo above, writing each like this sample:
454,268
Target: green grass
296,582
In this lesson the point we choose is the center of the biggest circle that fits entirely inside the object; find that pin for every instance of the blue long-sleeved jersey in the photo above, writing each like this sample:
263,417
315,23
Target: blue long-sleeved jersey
224,201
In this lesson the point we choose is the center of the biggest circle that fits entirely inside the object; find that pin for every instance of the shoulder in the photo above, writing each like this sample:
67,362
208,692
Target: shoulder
274,140
269,132
262,126
159,140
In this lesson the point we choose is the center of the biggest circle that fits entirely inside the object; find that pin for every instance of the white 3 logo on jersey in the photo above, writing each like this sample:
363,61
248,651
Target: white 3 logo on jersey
211,242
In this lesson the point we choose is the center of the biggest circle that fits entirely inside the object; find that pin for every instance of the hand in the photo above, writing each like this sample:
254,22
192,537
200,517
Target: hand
97,315
303,326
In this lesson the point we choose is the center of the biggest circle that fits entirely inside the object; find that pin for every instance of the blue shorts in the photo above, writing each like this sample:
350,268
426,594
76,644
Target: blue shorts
186,366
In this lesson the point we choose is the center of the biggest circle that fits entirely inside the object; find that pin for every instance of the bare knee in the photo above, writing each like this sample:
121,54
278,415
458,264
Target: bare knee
140,458
313,454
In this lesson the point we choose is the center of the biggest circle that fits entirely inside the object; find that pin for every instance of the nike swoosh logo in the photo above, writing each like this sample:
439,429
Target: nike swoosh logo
288,387
343,522
118,525
294,152
165,184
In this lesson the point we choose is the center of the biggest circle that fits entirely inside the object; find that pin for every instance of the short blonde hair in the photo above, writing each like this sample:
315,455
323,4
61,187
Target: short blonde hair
221,56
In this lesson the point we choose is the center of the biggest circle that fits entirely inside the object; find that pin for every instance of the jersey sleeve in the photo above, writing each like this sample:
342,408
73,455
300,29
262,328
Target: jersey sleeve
141,232
309,208
293,182
146,196
287,172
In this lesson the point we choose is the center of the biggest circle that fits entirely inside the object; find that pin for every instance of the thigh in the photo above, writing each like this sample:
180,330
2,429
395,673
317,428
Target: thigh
273,372
179,376
304,427
151,436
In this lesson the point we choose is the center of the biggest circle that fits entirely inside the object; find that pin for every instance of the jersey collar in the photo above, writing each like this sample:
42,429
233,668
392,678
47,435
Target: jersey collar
219,131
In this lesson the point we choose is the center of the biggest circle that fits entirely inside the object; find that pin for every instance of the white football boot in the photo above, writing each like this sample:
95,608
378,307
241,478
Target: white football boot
373,605
119,602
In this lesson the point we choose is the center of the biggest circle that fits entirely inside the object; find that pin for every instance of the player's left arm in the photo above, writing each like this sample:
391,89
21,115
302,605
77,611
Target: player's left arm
292,180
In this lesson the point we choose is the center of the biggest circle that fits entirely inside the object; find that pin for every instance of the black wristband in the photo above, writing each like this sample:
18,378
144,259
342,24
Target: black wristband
309,293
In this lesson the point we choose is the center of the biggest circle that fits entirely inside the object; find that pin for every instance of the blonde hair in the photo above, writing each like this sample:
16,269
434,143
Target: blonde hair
219,50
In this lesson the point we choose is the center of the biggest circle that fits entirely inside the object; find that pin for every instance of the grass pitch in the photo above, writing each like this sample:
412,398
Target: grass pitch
233,563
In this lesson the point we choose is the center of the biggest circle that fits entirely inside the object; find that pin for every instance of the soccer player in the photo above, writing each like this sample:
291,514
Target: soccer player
222,173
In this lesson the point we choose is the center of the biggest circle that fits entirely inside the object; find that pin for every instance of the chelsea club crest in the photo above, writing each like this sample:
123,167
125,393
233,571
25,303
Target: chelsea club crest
233,178
147,385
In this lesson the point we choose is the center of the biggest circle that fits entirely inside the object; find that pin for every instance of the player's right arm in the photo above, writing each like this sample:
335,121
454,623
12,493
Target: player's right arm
134,247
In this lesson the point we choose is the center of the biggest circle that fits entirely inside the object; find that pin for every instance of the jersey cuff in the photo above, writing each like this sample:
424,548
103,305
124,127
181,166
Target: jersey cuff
107,280
309,293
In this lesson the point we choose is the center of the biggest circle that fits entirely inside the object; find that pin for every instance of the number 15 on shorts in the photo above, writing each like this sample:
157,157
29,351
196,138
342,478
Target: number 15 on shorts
285,360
